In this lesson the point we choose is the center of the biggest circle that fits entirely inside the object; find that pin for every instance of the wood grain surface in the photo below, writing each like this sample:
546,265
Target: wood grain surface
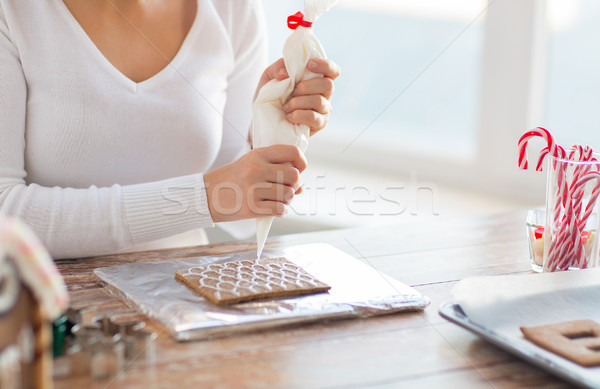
406,350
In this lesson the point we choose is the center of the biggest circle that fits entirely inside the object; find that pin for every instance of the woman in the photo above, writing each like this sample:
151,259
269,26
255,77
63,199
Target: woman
121,121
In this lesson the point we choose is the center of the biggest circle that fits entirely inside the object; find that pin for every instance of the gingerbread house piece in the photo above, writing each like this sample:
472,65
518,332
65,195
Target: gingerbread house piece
32,295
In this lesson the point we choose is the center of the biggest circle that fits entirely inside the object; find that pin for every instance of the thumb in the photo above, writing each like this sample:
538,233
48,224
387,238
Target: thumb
275,71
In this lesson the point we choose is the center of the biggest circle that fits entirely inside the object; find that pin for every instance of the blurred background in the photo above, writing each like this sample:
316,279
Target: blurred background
433,97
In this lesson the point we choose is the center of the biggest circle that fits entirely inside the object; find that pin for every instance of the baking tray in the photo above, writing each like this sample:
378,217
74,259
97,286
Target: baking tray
357,290
578,375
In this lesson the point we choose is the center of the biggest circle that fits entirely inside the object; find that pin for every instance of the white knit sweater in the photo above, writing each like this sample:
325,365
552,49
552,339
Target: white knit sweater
95,162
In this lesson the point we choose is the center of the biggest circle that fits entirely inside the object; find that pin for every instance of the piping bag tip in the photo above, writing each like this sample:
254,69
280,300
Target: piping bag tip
263,225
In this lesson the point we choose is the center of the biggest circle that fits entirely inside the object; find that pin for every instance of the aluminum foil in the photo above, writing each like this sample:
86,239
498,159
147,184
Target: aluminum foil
357,290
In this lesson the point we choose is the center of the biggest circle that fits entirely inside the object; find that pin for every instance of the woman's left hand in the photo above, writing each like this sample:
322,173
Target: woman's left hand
310,101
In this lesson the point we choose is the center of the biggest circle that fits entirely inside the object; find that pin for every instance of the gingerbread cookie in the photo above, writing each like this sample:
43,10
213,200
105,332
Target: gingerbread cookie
577,341
235,282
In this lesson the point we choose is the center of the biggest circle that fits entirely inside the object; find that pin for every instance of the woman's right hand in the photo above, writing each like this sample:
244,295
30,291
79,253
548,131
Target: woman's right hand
261,183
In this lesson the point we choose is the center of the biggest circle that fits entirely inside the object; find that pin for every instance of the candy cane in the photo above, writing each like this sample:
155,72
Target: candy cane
567,248
544,152
577,194
587,213
562,185
585,154
562,245
575,149
590,206
570,213
562,189
559,243
569,255
522,145
575,191
593,197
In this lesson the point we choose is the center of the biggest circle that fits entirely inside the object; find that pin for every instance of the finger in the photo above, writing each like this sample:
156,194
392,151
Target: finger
315,86
314,120
317,103
274,192
281,73
324,66
285,154
268,208
286,175
275,71
275,208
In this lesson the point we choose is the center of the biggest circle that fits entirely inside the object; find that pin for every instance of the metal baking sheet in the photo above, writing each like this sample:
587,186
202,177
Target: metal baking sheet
522,348
357,290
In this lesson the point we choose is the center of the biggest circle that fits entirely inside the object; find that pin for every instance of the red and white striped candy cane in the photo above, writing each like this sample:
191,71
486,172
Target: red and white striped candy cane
544,152
536,132
540,163
561,242
590,205
561,238
570,214
583,219
578,189
568,250
572,194
562,185
576,149
572,248
585,155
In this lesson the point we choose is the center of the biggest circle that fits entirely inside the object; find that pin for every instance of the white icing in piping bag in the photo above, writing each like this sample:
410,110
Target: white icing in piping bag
263,225
269,124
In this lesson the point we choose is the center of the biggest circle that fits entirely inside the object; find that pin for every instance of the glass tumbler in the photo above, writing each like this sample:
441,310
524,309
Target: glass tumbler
570,235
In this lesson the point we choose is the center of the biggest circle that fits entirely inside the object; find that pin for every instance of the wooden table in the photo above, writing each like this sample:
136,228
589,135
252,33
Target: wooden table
408,350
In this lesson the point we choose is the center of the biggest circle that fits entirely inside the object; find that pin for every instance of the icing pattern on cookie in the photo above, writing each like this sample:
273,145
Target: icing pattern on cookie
251,279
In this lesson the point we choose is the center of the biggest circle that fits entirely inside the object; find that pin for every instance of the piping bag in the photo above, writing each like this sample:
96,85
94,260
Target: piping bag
269,123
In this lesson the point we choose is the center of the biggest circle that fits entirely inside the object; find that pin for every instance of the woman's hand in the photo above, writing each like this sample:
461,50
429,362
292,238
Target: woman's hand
261,183
310,102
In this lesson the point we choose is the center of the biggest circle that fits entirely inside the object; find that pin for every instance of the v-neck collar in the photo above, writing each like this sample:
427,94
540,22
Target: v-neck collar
164,73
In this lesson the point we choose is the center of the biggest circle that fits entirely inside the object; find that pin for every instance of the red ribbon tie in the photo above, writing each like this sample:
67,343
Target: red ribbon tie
296,20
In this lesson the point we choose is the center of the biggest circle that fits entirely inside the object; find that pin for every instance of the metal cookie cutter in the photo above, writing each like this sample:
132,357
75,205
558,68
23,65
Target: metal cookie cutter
101,345
138,342
95,354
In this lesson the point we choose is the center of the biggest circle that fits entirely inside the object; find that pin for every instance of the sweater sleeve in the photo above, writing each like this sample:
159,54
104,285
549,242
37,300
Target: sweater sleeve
79,222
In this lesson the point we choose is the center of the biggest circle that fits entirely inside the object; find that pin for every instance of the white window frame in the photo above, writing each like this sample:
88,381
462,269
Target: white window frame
511,101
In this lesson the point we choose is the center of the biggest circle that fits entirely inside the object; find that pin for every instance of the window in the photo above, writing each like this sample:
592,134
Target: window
441,88
411,71
573,89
